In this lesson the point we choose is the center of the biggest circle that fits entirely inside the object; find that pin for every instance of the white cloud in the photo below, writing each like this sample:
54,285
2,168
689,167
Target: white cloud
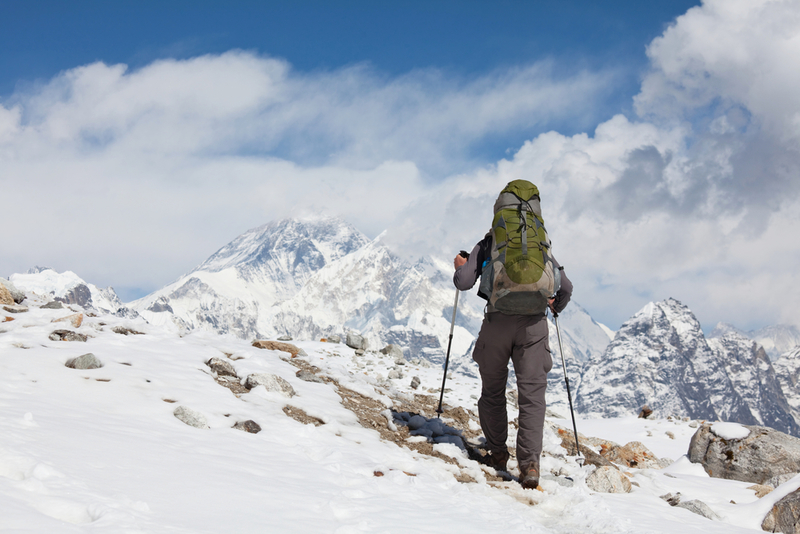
134,177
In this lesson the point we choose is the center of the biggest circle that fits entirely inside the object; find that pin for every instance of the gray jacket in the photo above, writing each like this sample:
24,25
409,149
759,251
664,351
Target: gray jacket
466,275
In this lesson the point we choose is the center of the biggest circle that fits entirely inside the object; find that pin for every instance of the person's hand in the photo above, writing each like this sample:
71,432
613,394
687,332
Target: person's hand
459,260
550,304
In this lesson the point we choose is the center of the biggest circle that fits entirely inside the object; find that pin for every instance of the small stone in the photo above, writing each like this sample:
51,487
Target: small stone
670,434
308,376
672,498
53,305
76,319
760,490
248,426
645,412
415,382
359,352
67,335
125,331
693,424
395,374
393,351
334,339
285,338
271,383
221,367
15,309
190,417
87,361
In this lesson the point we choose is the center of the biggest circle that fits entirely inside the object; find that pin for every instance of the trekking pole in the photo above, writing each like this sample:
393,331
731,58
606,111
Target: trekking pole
579,459
447,358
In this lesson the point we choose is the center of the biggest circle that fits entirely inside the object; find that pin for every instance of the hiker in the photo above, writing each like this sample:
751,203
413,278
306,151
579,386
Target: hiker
514,324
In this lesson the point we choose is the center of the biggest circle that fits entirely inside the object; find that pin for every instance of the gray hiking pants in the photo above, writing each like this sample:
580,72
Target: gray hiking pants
524,340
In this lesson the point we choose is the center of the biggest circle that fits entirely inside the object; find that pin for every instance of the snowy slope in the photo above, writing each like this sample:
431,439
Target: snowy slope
776,339
100,450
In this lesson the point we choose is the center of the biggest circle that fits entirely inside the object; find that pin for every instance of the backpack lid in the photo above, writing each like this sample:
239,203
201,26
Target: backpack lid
516,191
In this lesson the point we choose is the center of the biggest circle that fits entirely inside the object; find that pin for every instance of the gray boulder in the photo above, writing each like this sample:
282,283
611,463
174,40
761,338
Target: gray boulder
699,508
308,376
271,383
53,305
221,367
415,382
67,335
394,352
763,454
355,341
333,338
87,361
126,331
784,516
190,417
607,479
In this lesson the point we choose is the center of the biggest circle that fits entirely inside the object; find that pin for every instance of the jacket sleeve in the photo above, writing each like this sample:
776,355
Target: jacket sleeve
564,294
466,275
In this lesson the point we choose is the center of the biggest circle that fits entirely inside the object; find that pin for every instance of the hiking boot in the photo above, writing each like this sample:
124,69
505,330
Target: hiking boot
497,460
529,476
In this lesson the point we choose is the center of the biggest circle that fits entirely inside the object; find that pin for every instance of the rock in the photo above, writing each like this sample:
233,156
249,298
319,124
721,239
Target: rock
271,382
294,350
608,480
221,367
190,417
395,374
760,490
762,455
308,376
17,295
699,508
670,434
16,309
356,341
53,305
784,516
80,295
672,498
393,351
76,319
633,454
415,382
5,296
248,426
126,331
645,412
87,361
360,352
285,338
67,335
693,424
334,339
777,480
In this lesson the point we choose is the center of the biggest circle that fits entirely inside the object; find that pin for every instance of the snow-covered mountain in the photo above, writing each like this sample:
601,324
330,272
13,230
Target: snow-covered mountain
69,288
777,339
661,358
320,277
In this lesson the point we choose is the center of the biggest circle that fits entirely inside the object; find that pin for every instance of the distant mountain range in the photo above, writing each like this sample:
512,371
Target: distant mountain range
321,277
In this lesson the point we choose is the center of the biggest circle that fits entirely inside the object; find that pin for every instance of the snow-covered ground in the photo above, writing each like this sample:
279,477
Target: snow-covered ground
101,451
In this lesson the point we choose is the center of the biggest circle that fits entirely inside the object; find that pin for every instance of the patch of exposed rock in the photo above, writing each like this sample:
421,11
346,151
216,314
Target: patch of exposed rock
75,320
294,350
763,454
67,335
125,331
221,367
248,426
17,296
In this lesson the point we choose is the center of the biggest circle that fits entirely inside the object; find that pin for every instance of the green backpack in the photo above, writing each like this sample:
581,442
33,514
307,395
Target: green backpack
520,275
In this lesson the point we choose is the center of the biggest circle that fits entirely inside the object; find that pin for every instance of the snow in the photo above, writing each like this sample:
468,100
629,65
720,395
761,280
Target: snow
101,451
730,430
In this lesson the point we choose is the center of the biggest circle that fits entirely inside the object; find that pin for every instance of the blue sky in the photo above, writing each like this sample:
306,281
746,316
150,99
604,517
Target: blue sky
136,138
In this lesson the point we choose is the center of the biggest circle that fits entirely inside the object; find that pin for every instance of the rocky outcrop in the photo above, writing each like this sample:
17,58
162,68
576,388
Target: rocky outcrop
87,361
271,383
763,454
